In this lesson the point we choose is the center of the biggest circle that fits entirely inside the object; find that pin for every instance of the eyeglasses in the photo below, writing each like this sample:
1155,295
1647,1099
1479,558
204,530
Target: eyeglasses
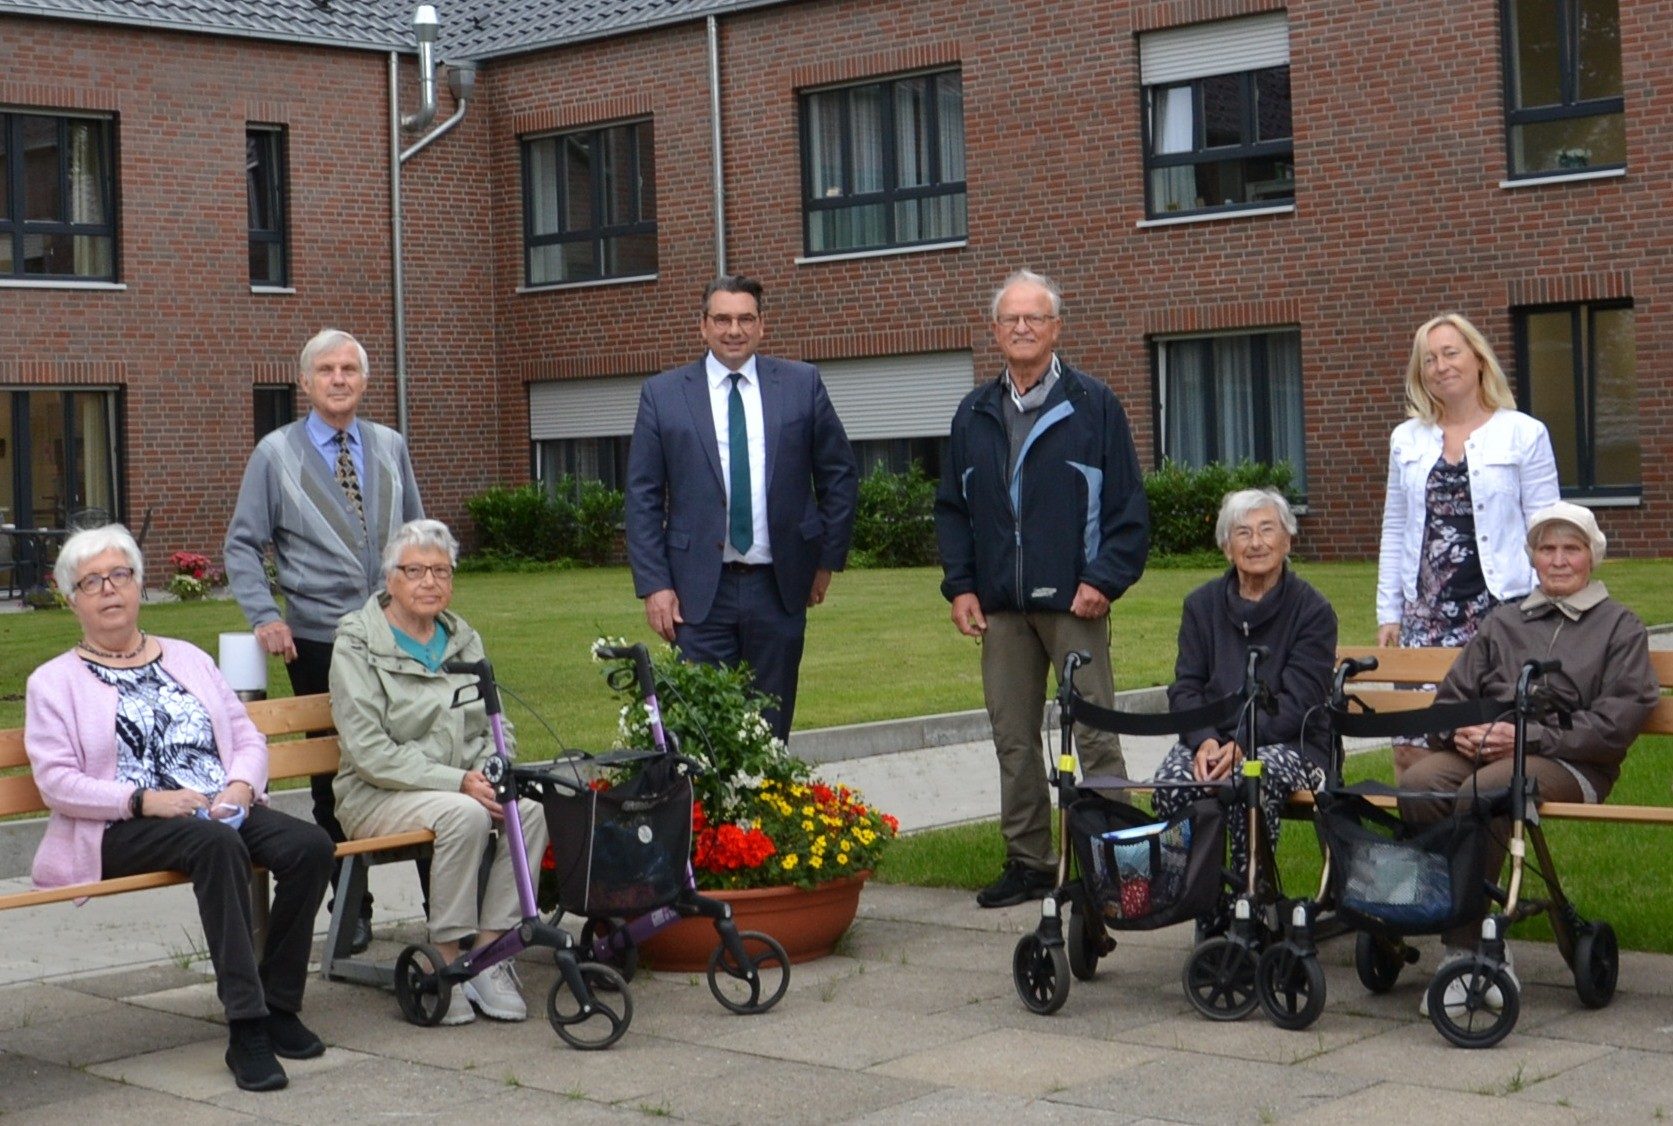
745,321
415,572
119,579
1032,320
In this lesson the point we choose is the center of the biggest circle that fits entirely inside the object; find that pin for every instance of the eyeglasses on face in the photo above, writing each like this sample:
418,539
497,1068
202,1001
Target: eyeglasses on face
119,579
1032,320
415,572
745,321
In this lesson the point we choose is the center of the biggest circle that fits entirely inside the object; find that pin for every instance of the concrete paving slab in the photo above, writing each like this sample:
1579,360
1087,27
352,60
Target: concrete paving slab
960,1108
368,1090
199,1001
525,1104
1018,1063
108,1035
1416,1054
115,1102
198,1071
842,1036
1619,1087
639,1068
1400,1102
1632,1020
1175,1087
1253,1038
919,989
32,1003
26,1083
777,1091
135,981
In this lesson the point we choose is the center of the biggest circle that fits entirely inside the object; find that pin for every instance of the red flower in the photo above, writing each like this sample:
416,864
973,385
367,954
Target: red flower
892,822
599,785
727,848
698,821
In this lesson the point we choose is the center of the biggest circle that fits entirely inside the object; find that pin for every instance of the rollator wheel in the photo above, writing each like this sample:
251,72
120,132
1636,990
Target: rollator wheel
1220,978
596,1021
1459,1008
623,961
419,987
757,986
1086,942
1290,985
1597,963
1041,973
1378,961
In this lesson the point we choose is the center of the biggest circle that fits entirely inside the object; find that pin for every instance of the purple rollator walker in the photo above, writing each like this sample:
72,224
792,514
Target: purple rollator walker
589,1005
624,857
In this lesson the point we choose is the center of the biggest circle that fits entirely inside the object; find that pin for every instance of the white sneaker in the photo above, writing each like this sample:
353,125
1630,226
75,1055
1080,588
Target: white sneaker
459,1009
1457,992
498,993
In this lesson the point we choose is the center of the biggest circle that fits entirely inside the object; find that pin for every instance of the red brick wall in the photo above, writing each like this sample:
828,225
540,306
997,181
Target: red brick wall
1399,152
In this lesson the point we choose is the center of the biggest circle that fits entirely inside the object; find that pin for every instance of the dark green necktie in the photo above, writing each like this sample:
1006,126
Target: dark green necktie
741,525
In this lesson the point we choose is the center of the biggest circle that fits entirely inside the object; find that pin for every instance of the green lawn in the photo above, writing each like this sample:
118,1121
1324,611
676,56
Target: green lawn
882,647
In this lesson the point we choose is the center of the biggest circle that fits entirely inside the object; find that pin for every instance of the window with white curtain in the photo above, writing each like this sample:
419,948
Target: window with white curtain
57,197
589,204
1232,397
1217,116
883,163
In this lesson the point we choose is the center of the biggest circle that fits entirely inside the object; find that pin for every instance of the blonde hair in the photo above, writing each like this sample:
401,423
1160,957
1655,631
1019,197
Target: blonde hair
1495,388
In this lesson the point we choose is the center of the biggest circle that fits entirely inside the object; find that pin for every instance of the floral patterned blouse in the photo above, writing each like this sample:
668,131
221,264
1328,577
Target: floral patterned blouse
1452,595
163,737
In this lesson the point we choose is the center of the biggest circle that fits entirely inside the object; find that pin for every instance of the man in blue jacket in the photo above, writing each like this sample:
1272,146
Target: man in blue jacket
1042,523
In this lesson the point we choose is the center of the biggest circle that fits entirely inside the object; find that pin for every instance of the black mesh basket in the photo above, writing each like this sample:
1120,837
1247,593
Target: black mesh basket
1396,878
1141,873
621,851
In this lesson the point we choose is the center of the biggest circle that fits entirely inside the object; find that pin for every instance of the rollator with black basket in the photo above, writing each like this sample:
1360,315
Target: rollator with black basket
623,856
1120,868
589,1005
1390,879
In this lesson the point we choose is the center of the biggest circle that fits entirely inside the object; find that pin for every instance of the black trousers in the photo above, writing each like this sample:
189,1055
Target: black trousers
748,623
310,674
218,860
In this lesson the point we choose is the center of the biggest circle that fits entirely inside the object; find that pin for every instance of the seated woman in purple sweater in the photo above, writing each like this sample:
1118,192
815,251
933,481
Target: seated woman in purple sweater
149,762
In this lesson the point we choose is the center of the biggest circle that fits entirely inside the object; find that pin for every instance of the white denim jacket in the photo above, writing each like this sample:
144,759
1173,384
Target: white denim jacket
1513,474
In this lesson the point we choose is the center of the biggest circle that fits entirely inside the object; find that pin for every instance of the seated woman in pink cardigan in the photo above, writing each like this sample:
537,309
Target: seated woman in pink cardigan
150,763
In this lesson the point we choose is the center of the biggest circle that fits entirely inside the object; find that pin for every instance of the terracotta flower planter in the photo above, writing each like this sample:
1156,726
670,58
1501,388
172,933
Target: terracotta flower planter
807,922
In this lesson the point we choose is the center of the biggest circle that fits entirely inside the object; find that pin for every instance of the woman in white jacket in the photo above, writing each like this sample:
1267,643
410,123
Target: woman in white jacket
1465,472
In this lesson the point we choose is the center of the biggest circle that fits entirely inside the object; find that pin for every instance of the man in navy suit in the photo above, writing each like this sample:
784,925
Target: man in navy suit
741,488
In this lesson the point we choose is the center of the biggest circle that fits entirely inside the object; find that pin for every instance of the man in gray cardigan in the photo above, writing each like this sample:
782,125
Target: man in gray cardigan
327,492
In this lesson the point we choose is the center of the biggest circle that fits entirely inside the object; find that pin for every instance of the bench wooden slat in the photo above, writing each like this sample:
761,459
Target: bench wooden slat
390,841
19,795
299,758
1402,666
1301,804
11,749
103,887
292,715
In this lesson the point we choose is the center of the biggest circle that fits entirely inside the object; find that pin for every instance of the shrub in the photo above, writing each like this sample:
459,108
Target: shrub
527,523
894,524
1184,502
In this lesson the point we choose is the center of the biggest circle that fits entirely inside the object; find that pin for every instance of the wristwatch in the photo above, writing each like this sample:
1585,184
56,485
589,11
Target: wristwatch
136,802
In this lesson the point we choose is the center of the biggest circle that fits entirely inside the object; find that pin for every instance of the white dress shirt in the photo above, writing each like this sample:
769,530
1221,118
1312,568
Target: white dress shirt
720,393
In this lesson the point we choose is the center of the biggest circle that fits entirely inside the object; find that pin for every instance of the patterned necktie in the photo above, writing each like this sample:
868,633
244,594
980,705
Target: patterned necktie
741,522
346,476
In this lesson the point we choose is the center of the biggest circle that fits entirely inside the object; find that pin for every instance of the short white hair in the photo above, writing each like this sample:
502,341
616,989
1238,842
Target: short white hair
82,546
329,339
1027,277
422,534
1237,506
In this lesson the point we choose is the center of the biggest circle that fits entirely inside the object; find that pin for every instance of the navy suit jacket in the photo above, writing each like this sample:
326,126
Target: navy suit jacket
676,496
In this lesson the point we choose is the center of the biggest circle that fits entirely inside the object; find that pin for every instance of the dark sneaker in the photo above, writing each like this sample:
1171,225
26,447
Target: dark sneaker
250,1057
1018,883
291,1039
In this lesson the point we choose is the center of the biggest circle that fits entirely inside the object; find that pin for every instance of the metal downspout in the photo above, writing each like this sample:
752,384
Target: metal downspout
716,149
398,273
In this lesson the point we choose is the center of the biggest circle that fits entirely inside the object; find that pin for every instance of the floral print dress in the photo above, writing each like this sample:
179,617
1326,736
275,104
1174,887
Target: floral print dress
1452,595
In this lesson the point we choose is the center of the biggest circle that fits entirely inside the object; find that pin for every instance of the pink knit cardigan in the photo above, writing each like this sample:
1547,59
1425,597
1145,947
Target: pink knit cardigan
69,730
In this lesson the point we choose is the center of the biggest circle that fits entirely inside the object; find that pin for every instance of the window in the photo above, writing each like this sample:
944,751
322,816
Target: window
1577,373
883,163
1232,398
57,197
57,456
1563,100
582,459
589,204
898,455
1217,131
264,180
274,406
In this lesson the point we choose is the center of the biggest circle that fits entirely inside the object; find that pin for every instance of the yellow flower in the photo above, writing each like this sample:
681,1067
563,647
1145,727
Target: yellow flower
842,858
807,811
807,826
788,862
815,862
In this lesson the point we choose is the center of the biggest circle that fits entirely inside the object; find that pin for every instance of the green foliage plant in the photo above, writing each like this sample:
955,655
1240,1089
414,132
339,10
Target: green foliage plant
894,522
1184,502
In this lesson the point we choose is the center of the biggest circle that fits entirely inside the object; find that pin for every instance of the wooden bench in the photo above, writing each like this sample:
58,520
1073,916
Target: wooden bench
1397,684
301,742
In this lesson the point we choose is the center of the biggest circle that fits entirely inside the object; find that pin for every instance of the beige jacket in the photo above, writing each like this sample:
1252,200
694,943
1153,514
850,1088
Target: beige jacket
396,723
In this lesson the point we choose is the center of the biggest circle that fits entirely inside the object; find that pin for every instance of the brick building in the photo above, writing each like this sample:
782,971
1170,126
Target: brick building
1250,206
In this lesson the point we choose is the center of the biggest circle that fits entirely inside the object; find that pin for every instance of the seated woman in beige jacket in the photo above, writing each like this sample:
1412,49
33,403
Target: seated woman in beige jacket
411,760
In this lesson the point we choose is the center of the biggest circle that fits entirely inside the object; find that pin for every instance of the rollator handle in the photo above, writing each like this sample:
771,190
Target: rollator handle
483,671
641,658
1349,667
